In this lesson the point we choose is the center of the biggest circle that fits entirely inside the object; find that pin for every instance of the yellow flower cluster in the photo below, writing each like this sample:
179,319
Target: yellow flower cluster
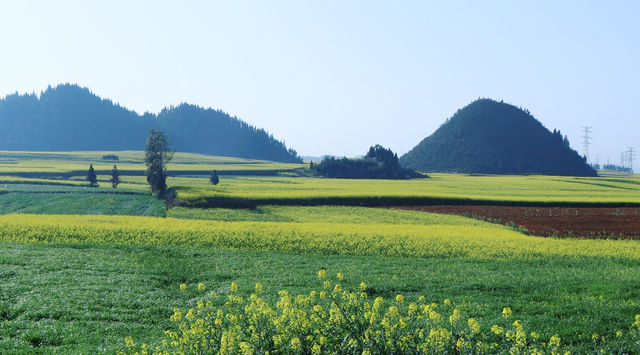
336,321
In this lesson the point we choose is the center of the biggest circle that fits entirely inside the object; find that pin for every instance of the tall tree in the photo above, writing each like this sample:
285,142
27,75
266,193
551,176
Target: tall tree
92,177
115,177
157,155
214,179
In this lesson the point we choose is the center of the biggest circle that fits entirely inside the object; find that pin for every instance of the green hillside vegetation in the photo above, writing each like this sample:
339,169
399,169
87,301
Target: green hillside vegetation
70,118
379,163
496,138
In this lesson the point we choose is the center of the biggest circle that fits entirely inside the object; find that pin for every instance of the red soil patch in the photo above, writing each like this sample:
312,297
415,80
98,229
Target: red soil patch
580,222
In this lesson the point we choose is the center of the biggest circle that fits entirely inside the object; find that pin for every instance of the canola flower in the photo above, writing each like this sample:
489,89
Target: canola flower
445,186
131,160
347,321
480,240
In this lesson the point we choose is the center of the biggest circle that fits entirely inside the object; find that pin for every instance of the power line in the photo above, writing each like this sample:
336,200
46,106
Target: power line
631,156
586,140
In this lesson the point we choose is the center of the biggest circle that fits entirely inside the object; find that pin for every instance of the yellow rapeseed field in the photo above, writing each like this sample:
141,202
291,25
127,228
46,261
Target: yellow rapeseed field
544,189
456,239
58,162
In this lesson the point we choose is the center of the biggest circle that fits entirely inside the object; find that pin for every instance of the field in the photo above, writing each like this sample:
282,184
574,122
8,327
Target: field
593,222
449,188
69,164
84,268
46,197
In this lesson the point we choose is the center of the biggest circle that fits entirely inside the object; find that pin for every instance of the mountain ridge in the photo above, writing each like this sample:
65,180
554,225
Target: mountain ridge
68,117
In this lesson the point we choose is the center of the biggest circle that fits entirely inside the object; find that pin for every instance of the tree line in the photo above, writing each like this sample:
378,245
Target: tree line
71,118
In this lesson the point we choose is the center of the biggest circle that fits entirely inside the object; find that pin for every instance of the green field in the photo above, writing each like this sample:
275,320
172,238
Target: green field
133,289
80,203
82,268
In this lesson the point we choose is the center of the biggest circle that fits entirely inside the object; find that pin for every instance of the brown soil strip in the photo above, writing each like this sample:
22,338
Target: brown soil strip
618,223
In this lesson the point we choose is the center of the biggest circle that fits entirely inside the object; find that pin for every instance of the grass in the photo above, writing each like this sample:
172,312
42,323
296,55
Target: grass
14,183
81,203
54,197
84,298
320,214
35,181
40,186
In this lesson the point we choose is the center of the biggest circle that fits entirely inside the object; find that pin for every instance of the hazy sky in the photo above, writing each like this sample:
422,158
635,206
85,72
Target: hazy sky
334,77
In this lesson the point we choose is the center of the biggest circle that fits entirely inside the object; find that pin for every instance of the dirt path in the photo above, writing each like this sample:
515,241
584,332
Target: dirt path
554,221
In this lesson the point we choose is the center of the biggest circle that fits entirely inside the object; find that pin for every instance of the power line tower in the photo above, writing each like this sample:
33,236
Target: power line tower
631,156
586,140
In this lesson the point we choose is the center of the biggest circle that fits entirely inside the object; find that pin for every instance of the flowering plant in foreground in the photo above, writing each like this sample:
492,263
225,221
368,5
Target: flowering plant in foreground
332,320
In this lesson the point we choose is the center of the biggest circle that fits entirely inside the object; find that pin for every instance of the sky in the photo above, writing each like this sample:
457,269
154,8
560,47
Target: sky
335,77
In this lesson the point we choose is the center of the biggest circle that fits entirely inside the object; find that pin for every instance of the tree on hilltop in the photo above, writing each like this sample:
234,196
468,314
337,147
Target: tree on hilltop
385,156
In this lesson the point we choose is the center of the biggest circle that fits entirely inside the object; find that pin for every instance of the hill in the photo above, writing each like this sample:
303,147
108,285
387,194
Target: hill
493,137
72,118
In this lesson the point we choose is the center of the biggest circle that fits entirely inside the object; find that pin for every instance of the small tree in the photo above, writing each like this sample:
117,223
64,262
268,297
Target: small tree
115,177
157,155
214,178
92,177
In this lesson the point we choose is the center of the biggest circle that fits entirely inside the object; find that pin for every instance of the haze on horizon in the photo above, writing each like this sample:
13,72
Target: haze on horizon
335,77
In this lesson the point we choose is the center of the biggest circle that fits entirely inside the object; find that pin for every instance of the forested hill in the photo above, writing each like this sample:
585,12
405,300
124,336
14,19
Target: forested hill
496,138
69,117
